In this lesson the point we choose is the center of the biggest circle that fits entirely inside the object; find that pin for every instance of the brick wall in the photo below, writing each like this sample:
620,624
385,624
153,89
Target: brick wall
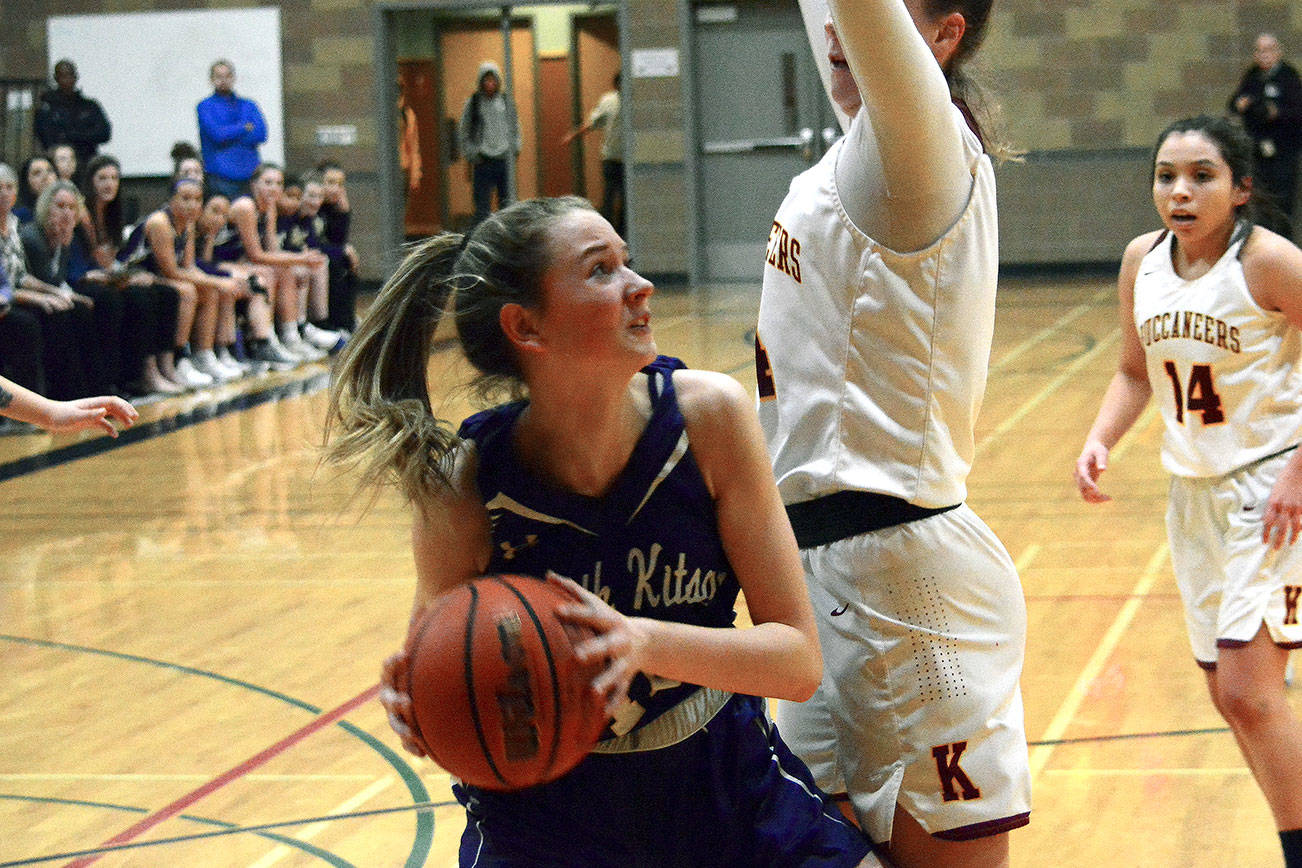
1075,76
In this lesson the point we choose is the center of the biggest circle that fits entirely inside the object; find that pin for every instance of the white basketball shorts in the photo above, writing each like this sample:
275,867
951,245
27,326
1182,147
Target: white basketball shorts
923,629
1230,581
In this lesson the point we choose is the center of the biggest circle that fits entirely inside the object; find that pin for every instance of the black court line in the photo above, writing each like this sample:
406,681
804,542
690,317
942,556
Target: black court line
1125,736
202,413
219,833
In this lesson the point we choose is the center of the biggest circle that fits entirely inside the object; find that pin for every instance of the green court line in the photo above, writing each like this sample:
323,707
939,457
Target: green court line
310,849
424,838
420,808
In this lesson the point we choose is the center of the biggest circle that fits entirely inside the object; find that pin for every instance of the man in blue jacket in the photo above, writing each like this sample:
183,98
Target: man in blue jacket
230,130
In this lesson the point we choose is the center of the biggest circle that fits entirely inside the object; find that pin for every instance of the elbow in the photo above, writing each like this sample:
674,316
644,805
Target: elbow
803,687
806,672
806,689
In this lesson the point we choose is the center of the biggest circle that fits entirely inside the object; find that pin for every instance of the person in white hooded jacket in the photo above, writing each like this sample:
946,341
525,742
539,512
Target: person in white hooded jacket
489,136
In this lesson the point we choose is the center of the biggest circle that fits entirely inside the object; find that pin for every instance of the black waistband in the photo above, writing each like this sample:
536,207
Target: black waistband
844,514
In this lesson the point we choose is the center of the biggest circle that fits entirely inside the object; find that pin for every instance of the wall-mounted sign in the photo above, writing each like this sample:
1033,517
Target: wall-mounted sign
655,62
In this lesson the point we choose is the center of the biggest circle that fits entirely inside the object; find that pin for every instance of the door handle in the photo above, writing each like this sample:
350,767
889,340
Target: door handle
746,146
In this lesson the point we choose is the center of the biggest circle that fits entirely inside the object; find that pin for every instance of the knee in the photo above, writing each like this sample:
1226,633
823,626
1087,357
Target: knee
207,294
1247,707
186,293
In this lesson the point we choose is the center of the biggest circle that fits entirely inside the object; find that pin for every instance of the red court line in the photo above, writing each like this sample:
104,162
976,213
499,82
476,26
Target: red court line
234,774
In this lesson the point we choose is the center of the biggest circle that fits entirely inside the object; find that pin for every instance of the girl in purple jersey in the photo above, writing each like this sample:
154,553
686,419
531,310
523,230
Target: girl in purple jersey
550,312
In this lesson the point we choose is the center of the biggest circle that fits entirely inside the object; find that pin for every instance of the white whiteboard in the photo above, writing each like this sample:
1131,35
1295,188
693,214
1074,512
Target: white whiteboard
150,69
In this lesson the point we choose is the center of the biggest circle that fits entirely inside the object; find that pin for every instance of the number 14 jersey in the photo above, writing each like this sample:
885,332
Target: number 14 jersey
1224,370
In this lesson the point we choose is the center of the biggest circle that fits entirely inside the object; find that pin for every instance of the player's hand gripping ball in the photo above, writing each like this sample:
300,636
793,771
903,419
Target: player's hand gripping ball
497,696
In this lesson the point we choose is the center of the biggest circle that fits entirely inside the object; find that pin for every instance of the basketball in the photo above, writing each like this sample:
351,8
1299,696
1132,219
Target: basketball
498,698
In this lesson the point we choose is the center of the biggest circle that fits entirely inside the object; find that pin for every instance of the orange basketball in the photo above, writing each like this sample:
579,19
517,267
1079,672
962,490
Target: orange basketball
498,698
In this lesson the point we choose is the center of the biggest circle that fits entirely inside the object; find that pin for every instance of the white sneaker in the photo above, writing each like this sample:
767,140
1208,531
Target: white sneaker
301,348
226,360
274,356
205,361
233,368
190,376
322,339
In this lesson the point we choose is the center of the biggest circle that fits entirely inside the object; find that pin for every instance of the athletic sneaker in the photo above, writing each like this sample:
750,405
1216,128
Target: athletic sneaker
229,361
191,377
301,348
273,355
322,339
205,361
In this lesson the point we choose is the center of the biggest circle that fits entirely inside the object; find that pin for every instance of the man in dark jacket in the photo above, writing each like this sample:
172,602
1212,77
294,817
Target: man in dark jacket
1269,100
65,116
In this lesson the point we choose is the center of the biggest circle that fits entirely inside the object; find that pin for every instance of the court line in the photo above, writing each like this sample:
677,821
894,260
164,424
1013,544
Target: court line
423,838
1041,396
368,581
311,849
143,778
1111,639
233,774
1242,771
1127,736
352,804
1096,598
1057,326
423,809
164,664
1027,556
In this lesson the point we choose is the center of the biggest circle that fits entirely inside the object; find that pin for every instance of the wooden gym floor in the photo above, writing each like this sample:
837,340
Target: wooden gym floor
192,624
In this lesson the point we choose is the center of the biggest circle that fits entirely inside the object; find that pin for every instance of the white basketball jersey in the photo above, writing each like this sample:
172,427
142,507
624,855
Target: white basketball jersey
872,364
1224,371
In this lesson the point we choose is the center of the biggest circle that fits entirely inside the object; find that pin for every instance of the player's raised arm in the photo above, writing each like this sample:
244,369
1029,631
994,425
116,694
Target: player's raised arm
908,180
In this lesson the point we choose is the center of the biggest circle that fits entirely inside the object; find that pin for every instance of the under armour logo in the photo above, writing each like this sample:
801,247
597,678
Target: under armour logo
509,551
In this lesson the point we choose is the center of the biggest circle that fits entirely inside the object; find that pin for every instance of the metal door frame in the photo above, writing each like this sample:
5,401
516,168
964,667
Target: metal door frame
386,95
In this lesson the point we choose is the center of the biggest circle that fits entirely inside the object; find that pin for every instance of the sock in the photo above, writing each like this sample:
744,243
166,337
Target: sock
288,331
1291,841
181,352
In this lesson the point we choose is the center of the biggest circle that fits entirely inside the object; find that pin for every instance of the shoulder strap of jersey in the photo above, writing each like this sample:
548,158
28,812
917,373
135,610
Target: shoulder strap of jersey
1242,230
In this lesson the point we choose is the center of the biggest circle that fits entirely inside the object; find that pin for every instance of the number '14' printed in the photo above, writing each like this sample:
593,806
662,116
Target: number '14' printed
1200,397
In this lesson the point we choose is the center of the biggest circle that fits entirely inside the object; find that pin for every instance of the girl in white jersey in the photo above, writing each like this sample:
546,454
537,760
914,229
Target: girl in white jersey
1210,311
874,337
